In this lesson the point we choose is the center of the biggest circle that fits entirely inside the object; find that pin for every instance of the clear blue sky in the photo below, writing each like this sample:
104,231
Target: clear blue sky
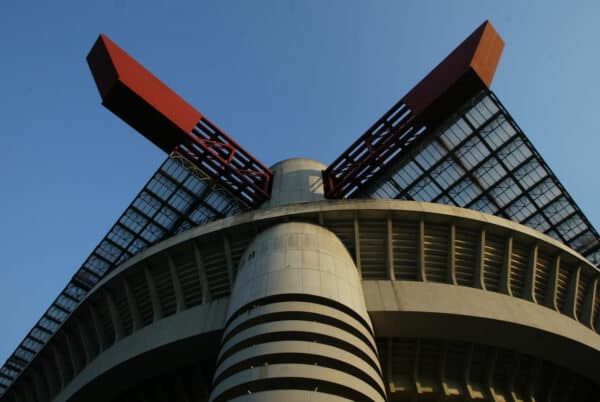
284,78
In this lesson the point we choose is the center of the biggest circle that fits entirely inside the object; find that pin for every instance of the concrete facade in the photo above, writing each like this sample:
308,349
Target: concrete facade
297,320
318,300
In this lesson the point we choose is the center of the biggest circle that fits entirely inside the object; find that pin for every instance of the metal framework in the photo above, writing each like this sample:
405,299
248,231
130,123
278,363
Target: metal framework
226,162
208,176
144,102
480,159
373,151
175,199
465,72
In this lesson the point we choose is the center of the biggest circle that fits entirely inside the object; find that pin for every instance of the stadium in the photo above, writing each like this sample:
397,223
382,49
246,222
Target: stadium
437,258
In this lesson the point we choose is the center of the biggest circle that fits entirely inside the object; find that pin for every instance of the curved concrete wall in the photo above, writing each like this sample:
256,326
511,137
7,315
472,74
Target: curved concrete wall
297,321
296,180
521,283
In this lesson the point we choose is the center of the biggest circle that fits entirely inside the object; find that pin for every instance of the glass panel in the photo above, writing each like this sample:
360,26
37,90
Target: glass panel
456,133
218,201
108,251
97,265
201,214
75,291
595,258
446,200
520,209
152,233
147,203
557,210
133,220
424,190
65,303
497,132
505,191
571,228
407,174
120,236
175,169
472,152
514,153
490,172
56,314
530,173
431,154
464,192
484,204
538,222
24,354
48,325
447,173
166,217
39,334
584,241
181,200
544,192
137,246
481,112
9,372
32,345
161,186
195,185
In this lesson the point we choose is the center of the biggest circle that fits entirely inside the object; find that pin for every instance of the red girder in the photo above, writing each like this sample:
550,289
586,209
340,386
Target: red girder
139,98
466,71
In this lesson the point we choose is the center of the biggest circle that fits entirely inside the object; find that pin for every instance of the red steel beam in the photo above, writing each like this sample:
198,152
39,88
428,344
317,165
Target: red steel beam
461,75
144,102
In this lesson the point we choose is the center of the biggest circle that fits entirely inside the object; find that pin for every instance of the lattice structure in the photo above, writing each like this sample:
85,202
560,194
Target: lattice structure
480,159
467,70
173,200
144,102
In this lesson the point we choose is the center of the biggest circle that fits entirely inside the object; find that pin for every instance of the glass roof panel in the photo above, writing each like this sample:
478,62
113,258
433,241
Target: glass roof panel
174,199
480,159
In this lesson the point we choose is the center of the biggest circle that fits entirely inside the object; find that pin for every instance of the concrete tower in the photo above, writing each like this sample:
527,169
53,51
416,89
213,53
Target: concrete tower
297,299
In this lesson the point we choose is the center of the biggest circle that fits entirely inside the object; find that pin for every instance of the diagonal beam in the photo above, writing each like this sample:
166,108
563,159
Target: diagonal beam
144,102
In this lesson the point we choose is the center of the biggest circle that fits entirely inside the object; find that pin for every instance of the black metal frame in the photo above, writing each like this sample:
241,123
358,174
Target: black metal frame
174,200
491,137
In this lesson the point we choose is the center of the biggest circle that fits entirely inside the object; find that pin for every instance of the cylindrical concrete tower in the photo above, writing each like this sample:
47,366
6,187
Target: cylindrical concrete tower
297,322
296,180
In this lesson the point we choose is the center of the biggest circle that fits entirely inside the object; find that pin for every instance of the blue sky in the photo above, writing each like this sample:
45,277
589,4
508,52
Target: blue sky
284,78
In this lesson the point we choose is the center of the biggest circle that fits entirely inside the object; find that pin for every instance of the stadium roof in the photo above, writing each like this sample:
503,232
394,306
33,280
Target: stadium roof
175,199
480,159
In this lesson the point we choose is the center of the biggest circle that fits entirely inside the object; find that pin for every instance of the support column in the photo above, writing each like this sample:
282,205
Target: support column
357,244
136,317
157,312
507,268
550,296
176,284
478,281
201,274
390,249
297,298
451,276
571,302
529,291
421,273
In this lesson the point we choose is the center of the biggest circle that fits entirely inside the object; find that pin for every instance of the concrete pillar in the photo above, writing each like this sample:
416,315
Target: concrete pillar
296,180
297,323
